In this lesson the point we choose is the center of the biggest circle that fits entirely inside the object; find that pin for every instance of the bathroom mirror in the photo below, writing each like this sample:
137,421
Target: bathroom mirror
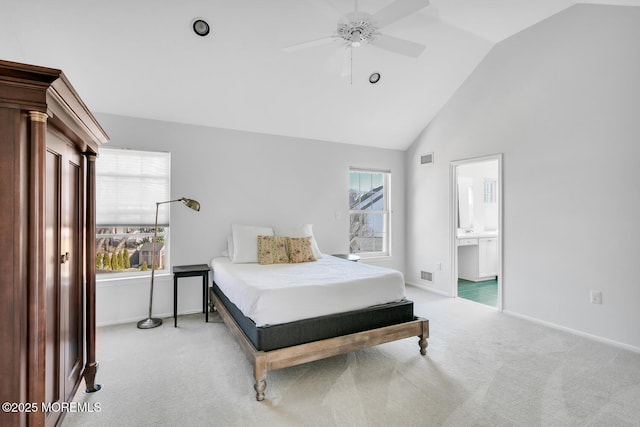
465,202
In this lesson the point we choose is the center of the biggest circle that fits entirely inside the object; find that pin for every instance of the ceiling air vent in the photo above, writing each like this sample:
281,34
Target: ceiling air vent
426,158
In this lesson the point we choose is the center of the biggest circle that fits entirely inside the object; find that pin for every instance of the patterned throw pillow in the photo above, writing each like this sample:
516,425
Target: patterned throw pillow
300,249
272,250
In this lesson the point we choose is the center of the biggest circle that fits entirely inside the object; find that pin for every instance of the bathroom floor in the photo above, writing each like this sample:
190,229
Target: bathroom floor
485,292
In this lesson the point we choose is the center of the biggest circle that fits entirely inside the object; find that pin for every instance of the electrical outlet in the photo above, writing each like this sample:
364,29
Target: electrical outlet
439,266
596,297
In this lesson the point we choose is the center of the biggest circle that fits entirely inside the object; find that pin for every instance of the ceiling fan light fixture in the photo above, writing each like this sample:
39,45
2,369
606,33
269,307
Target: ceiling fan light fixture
356,39
200,27
356,33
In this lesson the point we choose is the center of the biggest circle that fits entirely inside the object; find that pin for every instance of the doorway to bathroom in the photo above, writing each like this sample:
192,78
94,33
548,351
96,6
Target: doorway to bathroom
476,229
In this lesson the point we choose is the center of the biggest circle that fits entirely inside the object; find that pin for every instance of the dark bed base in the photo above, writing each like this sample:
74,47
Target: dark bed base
314,339
273,337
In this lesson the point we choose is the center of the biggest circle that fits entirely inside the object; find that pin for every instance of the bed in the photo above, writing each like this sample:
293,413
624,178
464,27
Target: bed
284,315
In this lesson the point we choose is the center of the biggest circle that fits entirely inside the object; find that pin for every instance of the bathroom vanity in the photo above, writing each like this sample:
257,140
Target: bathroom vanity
477,255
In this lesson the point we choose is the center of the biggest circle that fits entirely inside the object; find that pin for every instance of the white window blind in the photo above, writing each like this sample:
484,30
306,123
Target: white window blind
128,185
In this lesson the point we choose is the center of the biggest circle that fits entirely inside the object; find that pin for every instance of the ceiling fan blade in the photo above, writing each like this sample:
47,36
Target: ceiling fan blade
310,43
397,10
401,46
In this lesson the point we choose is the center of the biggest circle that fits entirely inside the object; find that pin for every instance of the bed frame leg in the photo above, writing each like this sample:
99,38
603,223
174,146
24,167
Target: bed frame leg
260,386
423,337
260,374
423,345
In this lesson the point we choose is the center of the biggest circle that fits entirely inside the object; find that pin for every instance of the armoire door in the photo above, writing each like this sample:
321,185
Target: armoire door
64,270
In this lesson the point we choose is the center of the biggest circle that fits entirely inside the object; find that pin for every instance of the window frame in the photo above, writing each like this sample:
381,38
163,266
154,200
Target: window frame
135,230
385,212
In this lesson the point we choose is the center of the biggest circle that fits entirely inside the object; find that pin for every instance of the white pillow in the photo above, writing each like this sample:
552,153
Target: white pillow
230,245
302,230
245,242
229,251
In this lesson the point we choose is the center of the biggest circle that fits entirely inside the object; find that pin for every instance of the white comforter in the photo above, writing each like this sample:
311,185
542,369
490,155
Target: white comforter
280,293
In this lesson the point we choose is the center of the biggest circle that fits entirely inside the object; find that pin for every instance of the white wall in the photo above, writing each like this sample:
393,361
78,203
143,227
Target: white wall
246,178
561,100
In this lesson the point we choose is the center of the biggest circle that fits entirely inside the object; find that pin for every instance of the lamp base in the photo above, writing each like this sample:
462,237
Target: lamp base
149,323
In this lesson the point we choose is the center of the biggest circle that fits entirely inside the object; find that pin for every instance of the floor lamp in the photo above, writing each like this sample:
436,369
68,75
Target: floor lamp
150,322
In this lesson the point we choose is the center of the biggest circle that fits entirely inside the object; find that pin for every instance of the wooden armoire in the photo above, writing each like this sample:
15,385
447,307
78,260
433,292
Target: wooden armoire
48,145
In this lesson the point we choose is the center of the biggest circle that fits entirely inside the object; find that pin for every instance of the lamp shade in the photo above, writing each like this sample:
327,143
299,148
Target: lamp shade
190,203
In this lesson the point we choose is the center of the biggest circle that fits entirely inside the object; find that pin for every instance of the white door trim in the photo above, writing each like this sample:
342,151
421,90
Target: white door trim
453,221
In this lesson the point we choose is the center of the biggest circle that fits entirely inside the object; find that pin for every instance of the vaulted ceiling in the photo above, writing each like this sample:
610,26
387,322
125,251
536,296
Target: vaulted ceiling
142,59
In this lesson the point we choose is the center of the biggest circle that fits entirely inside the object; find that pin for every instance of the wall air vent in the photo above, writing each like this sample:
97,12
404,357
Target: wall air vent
426,158
426,275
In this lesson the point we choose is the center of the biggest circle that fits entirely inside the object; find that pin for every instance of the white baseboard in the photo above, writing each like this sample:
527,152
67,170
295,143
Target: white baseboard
428,288
162,316
573,331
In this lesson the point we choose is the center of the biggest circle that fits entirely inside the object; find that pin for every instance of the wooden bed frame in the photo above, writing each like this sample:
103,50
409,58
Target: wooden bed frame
265,361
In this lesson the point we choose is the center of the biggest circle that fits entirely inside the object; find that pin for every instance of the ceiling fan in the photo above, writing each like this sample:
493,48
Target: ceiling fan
359,28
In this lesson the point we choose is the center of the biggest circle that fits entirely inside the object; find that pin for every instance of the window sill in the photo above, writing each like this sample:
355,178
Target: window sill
372,256
105,281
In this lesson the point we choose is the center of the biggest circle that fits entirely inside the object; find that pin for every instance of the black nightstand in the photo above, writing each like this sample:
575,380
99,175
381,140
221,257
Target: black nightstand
191,271
348,257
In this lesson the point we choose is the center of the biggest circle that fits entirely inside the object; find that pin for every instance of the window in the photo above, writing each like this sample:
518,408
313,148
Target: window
369,212
128,185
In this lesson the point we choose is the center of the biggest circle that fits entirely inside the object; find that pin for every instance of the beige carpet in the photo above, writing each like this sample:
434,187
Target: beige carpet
482,368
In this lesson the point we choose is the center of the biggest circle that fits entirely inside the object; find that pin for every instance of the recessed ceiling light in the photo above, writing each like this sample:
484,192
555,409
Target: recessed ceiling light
200,27
374,78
